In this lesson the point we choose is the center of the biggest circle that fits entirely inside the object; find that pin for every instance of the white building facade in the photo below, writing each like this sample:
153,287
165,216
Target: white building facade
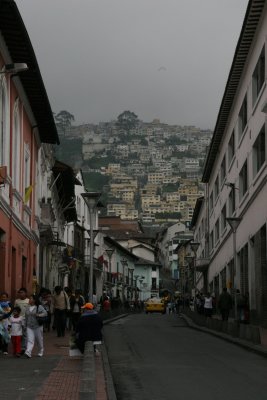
235,174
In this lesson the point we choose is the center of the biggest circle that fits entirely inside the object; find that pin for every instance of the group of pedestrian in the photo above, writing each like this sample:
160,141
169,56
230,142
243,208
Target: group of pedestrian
23,323
207,305
204,304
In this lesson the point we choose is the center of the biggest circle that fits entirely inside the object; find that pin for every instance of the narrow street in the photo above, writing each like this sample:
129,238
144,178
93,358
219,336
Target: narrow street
158,357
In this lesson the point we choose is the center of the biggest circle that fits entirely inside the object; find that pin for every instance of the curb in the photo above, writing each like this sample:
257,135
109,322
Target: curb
111,394
239,342
88,379
107,321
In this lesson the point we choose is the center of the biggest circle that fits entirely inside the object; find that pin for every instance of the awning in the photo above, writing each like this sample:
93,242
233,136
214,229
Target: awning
65,183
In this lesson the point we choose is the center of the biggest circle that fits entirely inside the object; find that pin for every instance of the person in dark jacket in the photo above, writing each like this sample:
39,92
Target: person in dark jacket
89,327
76,302
225,304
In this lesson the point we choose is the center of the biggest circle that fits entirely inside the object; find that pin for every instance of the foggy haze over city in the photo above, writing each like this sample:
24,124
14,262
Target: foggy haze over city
160,59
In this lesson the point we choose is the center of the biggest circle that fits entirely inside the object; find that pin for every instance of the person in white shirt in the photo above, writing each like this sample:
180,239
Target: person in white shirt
208,305
34,329
23,302
17,323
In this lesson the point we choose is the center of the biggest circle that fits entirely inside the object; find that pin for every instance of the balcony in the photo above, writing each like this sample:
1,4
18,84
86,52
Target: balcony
97,265
202,264
47,213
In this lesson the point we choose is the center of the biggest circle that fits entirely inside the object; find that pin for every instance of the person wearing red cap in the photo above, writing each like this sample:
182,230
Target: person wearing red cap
89,327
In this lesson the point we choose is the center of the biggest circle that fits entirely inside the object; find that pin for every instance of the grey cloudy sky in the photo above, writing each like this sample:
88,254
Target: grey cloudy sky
166,59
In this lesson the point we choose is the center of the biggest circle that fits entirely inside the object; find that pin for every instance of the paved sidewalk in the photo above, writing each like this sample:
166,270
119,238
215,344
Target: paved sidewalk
256,348
55,376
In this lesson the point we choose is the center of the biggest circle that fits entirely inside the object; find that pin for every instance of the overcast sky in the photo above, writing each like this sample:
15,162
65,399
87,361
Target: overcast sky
166,59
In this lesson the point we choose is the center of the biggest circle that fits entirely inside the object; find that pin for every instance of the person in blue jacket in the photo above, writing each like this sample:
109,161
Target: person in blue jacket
89,327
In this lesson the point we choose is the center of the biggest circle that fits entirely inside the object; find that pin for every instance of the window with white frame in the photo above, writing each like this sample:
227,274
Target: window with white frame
243,180
242,117
27,167
16,147
4,134
258,76
259,151
231,148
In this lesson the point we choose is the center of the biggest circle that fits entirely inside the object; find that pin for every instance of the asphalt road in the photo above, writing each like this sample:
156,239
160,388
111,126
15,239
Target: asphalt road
157,357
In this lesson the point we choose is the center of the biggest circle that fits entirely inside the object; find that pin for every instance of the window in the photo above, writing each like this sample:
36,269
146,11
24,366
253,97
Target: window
223,218
211,241
216,188
243,180
4,132
243,261
223,278
217,231
259,154
16,148
27,163
258,76
231,148
232,202
154,283
242,117
211,201
223,169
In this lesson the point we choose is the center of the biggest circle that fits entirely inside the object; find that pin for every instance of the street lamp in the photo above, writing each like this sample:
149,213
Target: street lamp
234,223
124,264
141,279
91,199
109,254
131,270
194,246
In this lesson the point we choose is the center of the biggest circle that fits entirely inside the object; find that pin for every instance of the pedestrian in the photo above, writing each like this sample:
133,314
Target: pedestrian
169,306
106,304
240,305
33,327
60,307
69,293
45,300
89,327
208,305
17,323
76,302
23,302
4,332
5,303
225,304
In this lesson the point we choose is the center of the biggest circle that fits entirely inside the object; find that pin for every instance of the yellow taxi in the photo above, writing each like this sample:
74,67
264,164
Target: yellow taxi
155,304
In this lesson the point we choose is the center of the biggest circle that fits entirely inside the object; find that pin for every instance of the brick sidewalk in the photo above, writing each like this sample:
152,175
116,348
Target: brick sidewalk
63,383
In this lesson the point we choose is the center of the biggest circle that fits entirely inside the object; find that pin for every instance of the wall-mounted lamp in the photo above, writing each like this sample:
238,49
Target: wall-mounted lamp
264,107
14,68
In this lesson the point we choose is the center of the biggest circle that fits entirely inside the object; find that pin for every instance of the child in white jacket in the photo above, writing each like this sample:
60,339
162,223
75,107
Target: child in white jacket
17,323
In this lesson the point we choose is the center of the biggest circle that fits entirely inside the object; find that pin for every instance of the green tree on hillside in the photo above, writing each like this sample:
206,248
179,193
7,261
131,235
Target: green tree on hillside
127,121
63,120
